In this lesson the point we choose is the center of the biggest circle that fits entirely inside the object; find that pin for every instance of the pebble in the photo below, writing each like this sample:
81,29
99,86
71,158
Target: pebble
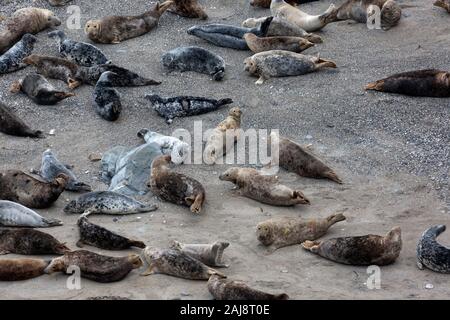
52,132
429,286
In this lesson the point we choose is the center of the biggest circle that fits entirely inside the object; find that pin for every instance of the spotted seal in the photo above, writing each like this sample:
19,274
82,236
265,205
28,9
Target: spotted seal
16,215
11,124
430,253
21,269
12,60
29,242
209,254
107,99
294,44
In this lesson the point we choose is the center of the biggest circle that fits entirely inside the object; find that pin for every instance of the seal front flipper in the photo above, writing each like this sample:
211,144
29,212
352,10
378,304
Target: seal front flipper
150,270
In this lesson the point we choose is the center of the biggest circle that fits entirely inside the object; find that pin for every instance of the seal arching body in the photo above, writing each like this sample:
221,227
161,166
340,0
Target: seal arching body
209,254
29,241
430,253
13,125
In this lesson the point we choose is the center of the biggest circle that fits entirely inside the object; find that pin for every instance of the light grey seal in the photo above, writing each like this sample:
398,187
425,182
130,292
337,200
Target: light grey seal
209,254
16,215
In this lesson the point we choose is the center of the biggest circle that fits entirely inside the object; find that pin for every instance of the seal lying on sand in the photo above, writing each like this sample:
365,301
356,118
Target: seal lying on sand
119,77
266,3
281,232
97,236
360,251
422,83
263,188
32,193
115,29
29,241
279,63
177,264
175,187
188,9
294,44
195,59
294,158
13,125
26,20
21,269
445,4
107,99
107,202
178,150
94,266
16,215
430,253
224,289
12,60
184,106
38,89
228,36
209,254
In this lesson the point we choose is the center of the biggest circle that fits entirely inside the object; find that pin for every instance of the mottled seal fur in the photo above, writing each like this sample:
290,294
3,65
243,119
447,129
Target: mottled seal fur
176,263
115,29
195,59
175,187
361,251
263,188
188,9
107,99
266,3
430,253
29,242
97,236
58,3
422,83
295,158
294,44
209,254
21,269
224,289
11,124
27,20
51,168
38,89
445,4
184,106
228,36
107,202
22,188
12,60
16,215
279,63
82,53
310,23
281,232
94,266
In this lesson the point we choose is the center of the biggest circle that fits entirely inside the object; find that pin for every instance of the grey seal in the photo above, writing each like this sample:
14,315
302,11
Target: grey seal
210,254
430,253
107,99
12,60
16,215
11,124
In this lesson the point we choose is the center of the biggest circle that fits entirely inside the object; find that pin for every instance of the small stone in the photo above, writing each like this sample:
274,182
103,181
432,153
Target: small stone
429,286
284,271
115,219
181,225
94,157
86,172
138,218
309,137
52,132
185,294
164,221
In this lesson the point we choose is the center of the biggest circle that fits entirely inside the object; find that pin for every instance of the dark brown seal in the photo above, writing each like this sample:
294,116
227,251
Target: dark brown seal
29,241
175,187
260,44
21,269
14,126
22,188
188,9
360,251
224,289
94,266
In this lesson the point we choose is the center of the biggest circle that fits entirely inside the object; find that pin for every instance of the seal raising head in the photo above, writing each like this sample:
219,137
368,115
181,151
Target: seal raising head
430,253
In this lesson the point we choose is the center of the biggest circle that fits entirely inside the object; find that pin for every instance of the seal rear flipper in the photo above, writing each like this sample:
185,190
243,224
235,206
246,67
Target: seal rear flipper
80,244
137,244
264,28
162,7
150,270
15,87
81,186
226,101
148,208
300,197
52,222
330,15
324,63
312,246
73,83
332,176
212,272
377,86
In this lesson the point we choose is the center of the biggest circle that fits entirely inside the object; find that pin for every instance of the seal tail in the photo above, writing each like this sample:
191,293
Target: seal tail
330,15
377,86
162,7
212,272
35,134
282,296
264,28
148,208
137,244
81,186
332,176
223,102
52,222
62,248
15,87
312,246
300,197
314,38
335,218
324,63
64,95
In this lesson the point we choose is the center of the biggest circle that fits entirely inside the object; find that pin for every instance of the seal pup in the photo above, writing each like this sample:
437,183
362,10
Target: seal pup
228,36
175,187
82,53
97,236
30,242
420,83
195,59
94,266
38,89
209,254
12,60
22,188
218,143
309,23
266,3
184,106
357,10
279,63
115,29
58,3
224,289
27,20
263,188
51,168
282,28
176,263
106,98
361,251
21,269
294,44
295,158
11,124
445,4
107,202
16,215
430,253
188,9
282,232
